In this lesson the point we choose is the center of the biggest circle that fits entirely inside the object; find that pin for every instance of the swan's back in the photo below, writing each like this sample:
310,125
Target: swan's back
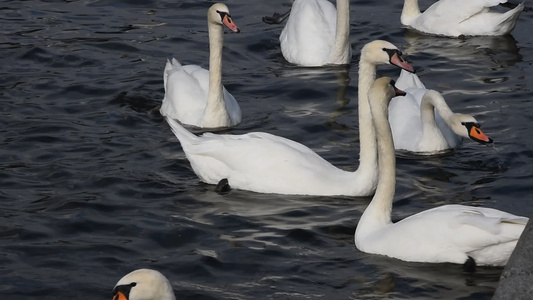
406,122
452,233
459,17
309,35
186,92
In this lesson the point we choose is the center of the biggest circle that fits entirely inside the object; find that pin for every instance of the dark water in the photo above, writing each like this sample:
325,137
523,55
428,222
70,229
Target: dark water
94,184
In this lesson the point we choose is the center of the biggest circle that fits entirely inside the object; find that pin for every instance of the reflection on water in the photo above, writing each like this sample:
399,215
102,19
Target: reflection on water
332,76
497,51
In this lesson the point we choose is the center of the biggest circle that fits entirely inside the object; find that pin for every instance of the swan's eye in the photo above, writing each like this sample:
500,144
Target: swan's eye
222,14
463,123
392,82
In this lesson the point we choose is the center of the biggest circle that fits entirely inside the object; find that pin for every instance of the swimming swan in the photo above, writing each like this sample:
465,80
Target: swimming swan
196,96
266,163
317,33
423,123
143,284
450,233
459,17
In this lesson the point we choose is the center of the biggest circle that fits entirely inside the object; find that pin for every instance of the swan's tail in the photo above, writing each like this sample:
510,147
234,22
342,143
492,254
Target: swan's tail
184,136
509,19
171,64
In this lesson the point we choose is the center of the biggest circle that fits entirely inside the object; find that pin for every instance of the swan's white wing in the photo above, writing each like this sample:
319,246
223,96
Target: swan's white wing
408,80
466,227
265,163
451,233
404,119
457,11
309,34
186,94
256,149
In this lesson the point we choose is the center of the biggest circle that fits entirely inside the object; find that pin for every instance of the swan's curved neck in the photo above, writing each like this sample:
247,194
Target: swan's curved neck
432,100
215,97
367,139
410,12
378,213
341,47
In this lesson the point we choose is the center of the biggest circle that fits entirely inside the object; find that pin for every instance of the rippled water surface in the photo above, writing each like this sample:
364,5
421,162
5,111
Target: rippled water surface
94,184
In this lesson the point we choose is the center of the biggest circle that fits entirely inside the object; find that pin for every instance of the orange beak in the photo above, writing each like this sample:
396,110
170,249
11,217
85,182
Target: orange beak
475,133
397,60
228,21
119,296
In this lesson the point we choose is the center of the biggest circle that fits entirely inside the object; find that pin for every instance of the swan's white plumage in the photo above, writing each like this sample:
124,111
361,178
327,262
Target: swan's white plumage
144,284
411,131
266,163
196,96
458,17
186,95
450,233
309,37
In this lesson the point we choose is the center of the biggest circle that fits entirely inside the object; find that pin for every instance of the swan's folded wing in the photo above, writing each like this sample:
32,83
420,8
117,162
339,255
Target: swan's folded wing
408,80
405,122
457,11
256,147
185,94
486,226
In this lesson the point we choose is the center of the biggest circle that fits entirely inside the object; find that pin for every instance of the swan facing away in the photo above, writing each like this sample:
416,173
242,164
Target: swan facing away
450,233
143,284
196,96
423,123
459,17
266,163
317,33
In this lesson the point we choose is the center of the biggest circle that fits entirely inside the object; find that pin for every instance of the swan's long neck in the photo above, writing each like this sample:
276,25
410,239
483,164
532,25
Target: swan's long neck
430,101
215,98
410,12
367,139
341,51
378,213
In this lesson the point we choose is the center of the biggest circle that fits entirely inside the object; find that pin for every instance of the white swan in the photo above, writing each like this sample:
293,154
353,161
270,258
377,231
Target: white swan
266,163
143,284
451,233
422,122
317,34
459,17
195,96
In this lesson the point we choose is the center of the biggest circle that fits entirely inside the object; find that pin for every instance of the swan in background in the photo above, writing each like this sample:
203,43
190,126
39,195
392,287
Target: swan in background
459,17
143,284
194,95
422,122
450,233
266,163
316,33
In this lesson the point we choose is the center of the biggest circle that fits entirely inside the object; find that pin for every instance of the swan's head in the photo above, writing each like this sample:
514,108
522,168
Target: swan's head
467,126
219,14
143,284
382,53
382,91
